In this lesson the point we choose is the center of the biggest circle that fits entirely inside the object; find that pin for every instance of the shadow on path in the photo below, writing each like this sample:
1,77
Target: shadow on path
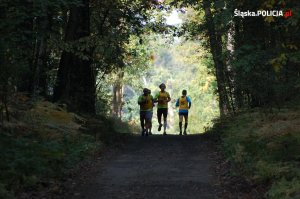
155,167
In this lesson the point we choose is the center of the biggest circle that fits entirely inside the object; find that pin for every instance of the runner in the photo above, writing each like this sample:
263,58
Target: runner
162,98
146,111
184,103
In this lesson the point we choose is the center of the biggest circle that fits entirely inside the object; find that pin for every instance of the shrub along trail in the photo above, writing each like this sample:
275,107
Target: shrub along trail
154,167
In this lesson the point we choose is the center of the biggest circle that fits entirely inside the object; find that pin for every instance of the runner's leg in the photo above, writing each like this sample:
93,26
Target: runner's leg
165,115
150,124
148,117
147,127
185,123
142,120
180,124
159,114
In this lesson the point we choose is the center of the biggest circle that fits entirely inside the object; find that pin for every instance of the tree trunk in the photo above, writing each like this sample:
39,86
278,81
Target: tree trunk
25,46
240,97
76,76
230,73
39,76
117,102
216,50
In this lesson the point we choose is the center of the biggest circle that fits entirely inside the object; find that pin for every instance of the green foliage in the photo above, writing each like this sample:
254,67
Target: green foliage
288,189
113,24
116,132
41,142
104,96
4,193
265,149
28,160
20,33
260,69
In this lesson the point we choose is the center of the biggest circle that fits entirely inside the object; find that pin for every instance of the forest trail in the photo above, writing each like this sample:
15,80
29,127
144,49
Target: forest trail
156,167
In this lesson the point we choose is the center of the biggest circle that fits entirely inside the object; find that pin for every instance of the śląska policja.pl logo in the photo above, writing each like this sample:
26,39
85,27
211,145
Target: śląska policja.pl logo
264,13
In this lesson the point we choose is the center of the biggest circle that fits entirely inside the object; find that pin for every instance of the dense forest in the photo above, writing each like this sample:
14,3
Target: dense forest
92,58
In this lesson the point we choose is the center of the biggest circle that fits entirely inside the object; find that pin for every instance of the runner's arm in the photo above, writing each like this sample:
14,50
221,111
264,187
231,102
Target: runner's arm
169,98
177,103
190,102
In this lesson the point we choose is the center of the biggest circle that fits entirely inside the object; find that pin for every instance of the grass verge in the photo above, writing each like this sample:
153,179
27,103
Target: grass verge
265,149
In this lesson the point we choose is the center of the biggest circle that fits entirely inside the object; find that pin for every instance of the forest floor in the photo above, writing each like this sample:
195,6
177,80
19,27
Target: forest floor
160,167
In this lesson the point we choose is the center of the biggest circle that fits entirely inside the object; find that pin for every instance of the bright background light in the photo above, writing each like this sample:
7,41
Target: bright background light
173,19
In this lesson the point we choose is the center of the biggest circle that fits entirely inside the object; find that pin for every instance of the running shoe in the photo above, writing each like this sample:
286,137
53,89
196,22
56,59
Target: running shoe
159,127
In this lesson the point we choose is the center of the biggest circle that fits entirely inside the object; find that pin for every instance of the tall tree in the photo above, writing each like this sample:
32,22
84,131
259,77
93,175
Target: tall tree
43,22
117,102
76,76
216,50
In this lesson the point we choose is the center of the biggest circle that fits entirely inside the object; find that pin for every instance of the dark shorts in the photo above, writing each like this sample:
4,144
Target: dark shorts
146,115
184,113
162,111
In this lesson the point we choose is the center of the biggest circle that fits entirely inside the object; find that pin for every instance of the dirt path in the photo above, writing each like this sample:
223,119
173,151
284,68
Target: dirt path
155,167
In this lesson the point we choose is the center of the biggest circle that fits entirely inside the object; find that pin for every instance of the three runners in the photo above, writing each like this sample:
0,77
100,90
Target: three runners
146,102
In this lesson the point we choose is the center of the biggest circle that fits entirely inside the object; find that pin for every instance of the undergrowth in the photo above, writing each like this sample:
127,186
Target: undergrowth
28,160
44,142
265,148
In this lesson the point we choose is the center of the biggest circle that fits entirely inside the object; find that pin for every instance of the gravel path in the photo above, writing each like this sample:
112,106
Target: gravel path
155,167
